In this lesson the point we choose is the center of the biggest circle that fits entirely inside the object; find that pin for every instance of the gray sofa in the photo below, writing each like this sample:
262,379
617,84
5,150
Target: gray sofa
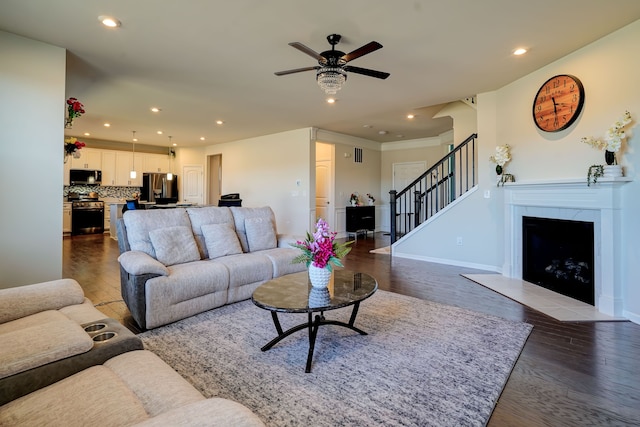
133,389
49,331
176,263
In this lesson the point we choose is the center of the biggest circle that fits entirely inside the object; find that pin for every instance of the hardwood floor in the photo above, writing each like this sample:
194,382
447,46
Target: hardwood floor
569,373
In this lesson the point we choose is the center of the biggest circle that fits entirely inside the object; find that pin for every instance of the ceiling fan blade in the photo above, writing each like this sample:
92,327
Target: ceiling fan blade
297,70
367,48
367,72
304,49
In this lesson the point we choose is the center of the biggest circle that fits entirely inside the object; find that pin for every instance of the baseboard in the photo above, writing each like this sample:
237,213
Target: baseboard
634,317
457,263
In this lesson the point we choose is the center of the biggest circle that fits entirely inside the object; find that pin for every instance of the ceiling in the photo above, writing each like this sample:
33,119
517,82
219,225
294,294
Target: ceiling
202,61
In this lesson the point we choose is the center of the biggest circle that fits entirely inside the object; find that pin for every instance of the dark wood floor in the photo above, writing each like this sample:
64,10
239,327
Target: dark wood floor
569,373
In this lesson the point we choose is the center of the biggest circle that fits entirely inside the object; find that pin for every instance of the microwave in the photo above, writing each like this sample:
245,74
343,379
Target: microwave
85,177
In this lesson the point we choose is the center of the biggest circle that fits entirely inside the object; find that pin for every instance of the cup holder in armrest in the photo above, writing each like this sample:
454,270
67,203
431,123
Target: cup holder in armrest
104,336
95,327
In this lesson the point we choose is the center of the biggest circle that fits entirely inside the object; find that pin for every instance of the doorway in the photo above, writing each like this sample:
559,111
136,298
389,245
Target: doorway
214,166
325,206
192,184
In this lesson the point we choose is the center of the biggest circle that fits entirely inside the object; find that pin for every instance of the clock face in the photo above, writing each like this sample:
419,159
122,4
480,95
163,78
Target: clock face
558,103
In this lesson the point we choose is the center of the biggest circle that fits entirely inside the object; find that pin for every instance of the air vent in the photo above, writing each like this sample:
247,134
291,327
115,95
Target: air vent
357,155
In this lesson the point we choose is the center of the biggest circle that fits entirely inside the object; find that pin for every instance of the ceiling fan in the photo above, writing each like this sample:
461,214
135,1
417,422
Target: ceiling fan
332,68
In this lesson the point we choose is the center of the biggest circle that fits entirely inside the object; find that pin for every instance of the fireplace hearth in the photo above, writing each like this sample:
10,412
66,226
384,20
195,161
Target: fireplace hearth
558,255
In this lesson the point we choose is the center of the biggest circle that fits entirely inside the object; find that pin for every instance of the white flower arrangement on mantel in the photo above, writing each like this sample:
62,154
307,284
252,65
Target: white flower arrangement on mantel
611,144
501,158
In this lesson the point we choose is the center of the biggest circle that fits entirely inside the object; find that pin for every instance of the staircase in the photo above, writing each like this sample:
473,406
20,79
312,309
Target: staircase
439,186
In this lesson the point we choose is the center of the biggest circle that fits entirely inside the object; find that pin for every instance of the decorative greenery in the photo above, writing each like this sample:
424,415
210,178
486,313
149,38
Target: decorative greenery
595,172
320,248
507,177
74,109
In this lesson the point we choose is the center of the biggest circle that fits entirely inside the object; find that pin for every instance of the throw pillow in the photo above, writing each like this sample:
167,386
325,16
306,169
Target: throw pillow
174,245
220,240
261,234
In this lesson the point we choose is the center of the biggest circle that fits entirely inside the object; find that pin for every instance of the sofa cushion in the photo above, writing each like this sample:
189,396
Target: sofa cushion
261,234
39,339
22,301
220,240
208,215
174,245
94,397
281,259
140,222
241,214
246,269
136,262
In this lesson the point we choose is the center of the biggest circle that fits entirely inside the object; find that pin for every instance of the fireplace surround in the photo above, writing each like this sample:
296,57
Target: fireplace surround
571,200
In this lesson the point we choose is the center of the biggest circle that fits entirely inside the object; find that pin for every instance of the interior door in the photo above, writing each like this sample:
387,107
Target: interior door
403,175
323,190
193,184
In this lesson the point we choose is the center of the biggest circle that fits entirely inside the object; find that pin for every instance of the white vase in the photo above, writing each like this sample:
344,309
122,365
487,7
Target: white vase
319,277
612,171
319,297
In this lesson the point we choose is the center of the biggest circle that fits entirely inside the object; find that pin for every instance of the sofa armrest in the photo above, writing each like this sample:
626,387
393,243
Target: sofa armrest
209,412
26,300
138,263
285,240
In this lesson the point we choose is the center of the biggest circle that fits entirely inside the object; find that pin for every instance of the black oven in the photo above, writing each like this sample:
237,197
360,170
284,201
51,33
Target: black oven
87,217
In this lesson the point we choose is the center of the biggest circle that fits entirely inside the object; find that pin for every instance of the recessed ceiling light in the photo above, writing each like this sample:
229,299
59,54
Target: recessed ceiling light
175,145
202,138
410,116
382,132
367,126
219,122
86,134
109,21
331,100
159,132
399,136
107,125
155,109
520,51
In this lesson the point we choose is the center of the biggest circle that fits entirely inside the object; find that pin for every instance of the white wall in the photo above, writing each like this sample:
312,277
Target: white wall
265,171
608,69
32,107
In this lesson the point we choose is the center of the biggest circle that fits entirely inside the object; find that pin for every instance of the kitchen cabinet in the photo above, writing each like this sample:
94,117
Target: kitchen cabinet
156,163
107,217
109,167
66,217
90,159
124,163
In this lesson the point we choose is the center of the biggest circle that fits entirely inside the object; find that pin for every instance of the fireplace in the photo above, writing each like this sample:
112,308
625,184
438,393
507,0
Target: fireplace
558,255
572,200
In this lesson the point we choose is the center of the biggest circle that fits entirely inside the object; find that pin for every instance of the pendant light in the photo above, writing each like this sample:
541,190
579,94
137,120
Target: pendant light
133,173
170,174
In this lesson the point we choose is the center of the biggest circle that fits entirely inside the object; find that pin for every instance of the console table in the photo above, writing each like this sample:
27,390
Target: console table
361,219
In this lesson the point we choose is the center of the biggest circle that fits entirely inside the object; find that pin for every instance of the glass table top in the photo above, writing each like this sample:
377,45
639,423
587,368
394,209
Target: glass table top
293,293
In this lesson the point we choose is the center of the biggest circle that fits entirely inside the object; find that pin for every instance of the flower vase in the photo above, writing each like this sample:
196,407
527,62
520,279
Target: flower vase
319,297
612,169
319,277
610,157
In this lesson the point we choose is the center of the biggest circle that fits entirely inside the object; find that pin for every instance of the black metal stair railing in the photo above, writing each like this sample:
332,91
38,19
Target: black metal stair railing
441,184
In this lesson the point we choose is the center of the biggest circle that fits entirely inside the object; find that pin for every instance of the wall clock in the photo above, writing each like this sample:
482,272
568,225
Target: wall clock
558,103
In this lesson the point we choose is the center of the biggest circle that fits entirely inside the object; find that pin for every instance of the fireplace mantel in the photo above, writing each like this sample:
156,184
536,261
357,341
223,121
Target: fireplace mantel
572,199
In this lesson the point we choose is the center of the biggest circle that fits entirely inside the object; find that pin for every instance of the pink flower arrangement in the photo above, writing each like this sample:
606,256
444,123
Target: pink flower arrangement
320,248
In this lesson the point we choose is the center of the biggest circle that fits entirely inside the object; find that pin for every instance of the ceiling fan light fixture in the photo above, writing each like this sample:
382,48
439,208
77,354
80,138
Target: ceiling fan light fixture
331,79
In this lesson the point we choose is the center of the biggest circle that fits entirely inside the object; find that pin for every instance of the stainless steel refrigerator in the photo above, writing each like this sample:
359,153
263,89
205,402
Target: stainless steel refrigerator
157,188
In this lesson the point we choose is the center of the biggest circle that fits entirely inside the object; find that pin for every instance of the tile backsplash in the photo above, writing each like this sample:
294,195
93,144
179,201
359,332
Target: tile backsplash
103,191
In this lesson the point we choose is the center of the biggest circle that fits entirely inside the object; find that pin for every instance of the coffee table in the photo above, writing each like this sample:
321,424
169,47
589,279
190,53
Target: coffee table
293,293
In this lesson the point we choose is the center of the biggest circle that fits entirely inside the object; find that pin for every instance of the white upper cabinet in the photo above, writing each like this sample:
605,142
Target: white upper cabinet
156,163
90,158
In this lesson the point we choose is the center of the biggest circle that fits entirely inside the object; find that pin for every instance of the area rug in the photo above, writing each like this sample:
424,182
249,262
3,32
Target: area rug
421,364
